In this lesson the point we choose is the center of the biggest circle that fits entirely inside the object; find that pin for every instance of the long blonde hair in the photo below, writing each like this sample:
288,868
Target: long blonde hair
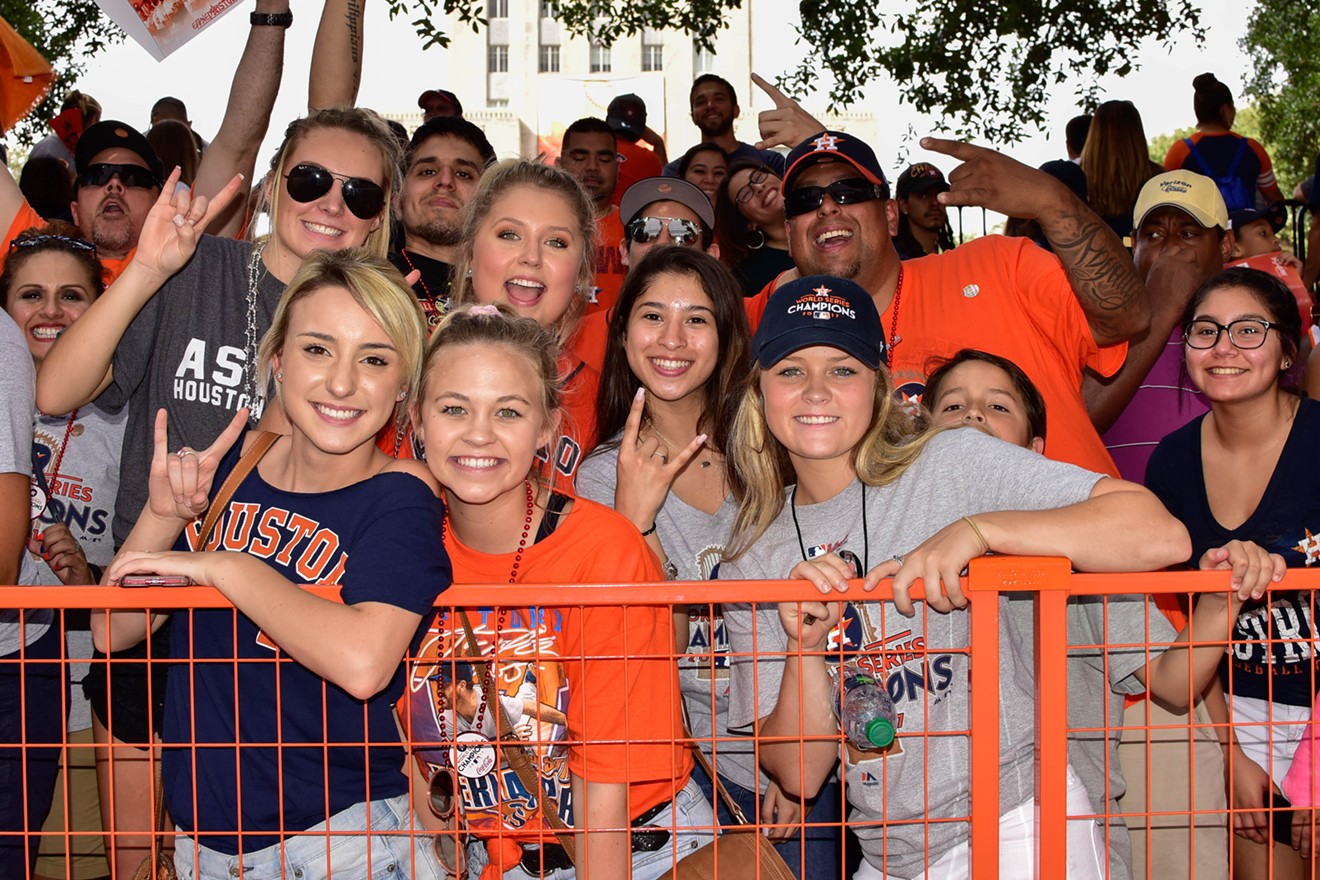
760,468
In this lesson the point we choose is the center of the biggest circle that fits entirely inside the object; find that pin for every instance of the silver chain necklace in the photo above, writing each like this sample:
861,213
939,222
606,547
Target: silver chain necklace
256,271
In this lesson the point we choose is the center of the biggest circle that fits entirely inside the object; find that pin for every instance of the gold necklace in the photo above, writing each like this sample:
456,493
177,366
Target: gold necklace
673,447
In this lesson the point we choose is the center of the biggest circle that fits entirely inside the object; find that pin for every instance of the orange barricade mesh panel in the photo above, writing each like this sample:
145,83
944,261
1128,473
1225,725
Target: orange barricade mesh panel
559,699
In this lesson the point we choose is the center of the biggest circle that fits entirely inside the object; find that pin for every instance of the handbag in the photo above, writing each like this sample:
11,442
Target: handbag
160,865
741,853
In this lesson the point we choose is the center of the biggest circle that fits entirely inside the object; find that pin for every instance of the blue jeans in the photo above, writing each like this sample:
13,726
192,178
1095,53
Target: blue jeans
821,858
33,702
398,848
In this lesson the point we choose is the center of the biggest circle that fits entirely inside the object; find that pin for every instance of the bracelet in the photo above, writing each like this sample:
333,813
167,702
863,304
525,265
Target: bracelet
650,531
271,19
985,545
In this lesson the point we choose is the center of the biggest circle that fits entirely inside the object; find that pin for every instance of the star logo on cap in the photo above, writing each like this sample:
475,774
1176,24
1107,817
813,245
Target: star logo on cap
119,132
827,142
823,290
664,188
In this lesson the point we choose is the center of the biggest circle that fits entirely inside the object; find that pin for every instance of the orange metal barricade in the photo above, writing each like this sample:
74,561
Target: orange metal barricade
1050,579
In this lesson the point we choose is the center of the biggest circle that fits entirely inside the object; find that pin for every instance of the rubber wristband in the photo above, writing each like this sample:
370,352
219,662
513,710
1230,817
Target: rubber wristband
271,19
985,545
650,531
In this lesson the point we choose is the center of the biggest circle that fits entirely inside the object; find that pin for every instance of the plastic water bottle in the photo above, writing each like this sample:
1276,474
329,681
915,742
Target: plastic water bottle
864,709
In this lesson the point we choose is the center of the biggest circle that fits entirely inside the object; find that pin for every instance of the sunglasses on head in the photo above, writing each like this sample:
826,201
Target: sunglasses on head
842,192
644,230
28,241
131,176
307,183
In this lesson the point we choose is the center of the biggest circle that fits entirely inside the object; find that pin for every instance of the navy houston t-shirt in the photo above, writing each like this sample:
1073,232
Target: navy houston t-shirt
381,541
1287,522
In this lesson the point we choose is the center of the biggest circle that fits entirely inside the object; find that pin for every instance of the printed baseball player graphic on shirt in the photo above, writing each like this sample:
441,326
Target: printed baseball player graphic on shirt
453,705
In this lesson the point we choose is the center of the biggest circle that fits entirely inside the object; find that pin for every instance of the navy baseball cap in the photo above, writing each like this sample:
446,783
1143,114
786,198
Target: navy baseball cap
820,310
835,146
1275,212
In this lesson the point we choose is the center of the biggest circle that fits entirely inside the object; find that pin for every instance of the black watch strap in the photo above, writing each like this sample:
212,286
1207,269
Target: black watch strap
271,19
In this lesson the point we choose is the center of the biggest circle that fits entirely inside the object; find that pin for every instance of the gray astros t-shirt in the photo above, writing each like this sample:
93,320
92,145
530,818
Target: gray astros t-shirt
924,661
694,541
18,395
186,352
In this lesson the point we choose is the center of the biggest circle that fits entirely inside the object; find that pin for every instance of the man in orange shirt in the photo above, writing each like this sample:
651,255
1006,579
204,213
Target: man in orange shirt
590,153
637,160
118,179
1052,315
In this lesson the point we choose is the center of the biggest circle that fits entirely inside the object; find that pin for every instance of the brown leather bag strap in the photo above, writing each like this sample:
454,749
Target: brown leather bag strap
517,756
734,809
265,440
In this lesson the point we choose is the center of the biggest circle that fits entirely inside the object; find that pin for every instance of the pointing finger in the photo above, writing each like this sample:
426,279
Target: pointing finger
957,149
778,97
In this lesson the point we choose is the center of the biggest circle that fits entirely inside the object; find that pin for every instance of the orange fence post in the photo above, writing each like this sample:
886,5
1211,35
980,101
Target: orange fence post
984,715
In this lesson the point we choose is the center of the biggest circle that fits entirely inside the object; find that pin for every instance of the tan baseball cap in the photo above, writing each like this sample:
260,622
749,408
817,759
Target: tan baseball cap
1191,192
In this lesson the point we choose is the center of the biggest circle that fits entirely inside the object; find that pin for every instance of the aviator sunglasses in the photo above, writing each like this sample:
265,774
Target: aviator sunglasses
307,183
644,230
131,176
842,192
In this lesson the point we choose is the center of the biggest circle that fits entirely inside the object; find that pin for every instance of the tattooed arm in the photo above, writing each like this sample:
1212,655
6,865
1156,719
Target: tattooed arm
247,116
337,56
1100,269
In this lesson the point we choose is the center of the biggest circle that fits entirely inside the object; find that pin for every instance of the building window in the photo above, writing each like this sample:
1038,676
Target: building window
497,8
600,58
549,59
548,8
653,58
497,59
498,102
703,61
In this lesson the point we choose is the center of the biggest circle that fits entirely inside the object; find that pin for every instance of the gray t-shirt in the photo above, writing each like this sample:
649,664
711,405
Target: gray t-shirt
186,352
924,660
694,541
18,393
82,497
1098,680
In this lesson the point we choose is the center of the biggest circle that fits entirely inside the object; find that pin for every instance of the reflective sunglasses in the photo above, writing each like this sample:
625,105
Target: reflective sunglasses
1246,333
28,241
131,176
843,192
307,183
745,192
644,230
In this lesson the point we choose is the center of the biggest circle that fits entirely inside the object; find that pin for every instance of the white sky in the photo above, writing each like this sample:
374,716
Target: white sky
127,81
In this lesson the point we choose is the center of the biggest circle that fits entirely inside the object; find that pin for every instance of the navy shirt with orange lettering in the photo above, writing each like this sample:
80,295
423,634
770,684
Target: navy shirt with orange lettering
380,540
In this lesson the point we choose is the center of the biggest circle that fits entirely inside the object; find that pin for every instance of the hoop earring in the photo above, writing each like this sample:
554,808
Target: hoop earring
755,238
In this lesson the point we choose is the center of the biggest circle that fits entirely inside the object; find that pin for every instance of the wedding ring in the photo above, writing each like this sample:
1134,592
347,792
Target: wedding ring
663,458
898,557
185,451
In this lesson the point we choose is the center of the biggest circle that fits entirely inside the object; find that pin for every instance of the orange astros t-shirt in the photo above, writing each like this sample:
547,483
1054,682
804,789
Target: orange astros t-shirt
624,707
1011,298
27,218
609,263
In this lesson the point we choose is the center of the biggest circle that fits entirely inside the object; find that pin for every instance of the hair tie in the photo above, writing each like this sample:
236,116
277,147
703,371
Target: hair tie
484,310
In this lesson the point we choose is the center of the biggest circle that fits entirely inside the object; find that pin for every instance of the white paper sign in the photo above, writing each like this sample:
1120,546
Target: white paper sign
161,26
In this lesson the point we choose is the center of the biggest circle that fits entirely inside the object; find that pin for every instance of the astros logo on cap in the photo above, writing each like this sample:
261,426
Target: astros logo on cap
827,142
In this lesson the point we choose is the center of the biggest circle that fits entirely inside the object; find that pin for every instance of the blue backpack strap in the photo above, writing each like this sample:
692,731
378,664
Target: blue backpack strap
1237,157
1200,160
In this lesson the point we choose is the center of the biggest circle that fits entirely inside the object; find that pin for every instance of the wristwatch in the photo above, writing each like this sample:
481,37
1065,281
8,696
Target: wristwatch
271,19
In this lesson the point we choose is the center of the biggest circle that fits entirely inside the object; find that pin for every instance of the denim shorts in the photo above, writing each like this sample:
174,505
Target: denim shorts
397,848
688,818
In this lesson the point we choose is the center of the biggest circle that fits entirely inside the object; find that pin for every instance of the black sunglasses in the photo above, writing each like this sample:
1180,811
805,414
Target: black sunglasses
843,192
28,241
131,176
643,230
307,183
